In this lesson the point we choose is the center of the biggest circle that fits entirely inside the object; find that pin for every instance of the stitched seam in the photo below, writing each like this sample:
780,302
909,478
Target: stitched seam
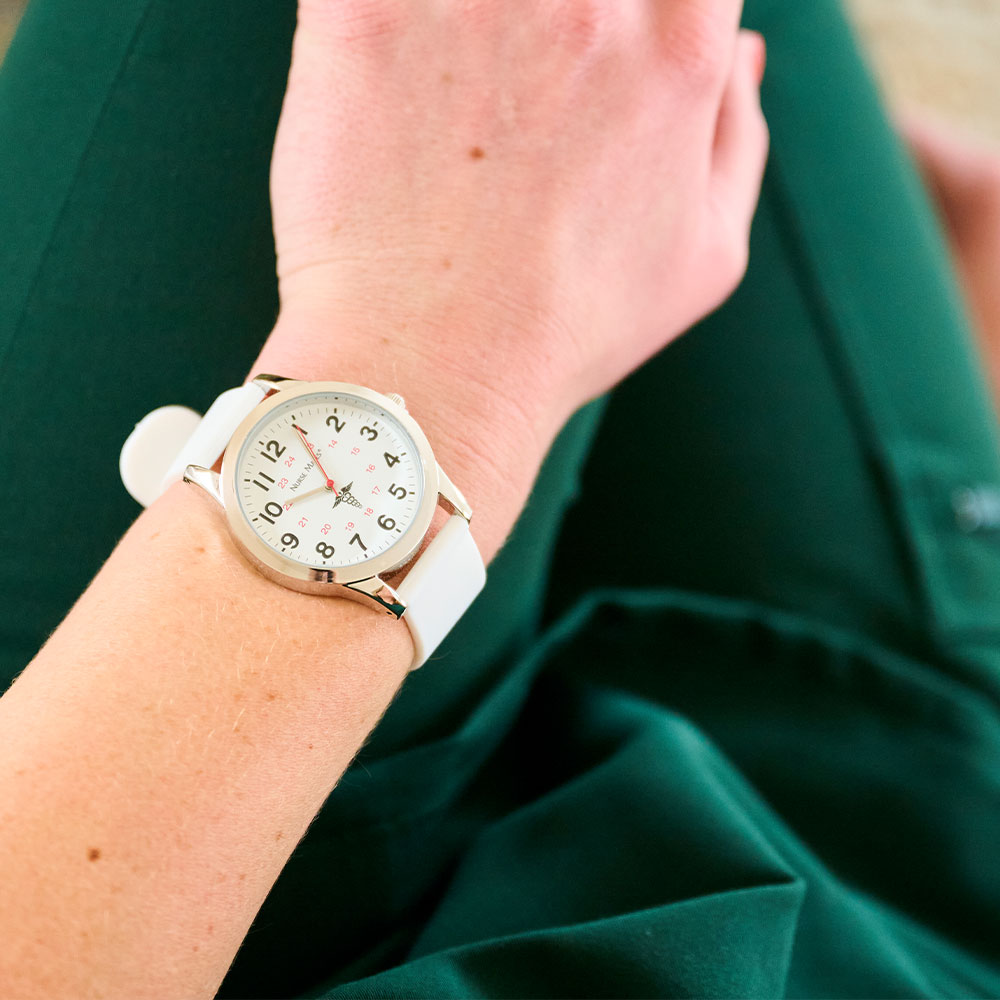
944,640
854,394
872,410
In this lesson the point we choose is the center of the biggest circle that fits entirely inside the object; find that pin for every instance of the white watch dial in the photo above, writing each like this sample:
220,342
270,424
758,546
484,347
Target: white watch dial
329,479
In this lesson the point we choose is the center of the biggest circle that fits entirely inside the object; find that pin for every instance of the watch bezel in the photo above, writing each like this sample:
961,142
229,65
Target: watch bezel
314,579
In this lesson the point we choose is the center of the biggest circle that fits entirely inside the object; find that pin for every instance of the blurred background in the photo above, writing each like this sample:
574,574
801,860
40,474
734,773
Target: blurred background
939,54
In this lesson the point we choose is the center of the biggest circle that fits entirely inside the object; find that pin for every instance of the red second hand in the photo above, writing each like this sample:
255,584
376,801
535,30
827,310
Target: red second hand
329,481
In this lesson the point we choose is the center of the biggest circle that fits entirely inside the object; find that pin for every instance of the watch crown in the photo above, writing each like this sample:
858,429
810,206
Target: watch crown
396,398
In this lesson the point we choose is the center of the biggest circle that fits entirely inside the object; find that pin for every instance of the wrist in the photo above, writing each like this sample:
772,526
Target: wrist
489,434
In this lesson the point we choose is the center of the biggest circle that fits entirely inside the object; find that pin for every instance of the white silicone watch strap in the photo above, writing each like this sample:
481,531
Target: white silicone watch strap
169,438
213,433
150,448
439,586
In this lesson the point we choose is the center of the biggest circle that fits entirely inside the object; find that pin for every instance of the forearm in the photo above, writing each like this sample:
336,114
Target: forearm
163,754
171,742
449,222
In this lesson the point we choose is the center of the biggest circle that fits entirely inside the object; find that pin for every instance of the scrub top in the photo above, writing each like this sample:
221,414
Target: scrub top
724,721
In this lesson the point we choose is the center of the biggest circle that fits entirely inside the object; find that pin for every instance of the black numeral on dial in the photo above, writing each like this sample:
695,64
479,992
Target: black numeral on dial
289,540
272,508
278,450
369,432
324,550
263,475
357,538
387,522
390,460
399,492
338,424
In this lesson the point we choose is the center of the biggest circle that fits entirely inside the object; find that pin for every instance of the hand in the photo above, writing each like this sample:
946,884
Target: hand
510,205
319,489
963,176
542,191
302,434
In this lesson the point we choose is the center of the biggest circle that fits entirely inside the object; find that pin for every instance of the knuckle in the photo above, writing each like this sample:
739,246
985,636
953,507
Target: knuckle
353,20
765,143
584,25
471,13
740,261
734,263
729,259
696,45
760,133
989,182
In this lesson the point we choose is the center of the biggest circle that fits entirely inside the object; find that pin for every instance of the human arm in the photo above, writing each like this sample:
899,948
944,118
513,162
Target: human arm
963,177
175,736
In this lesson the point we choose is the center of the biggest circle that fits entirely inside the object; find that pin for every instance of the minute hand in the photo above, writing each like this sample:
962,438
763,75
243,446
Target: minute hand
329,481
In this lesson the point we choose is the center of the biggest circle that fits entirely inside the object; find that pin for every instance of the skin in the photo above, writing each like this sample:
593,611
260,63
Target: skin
963,175
507,208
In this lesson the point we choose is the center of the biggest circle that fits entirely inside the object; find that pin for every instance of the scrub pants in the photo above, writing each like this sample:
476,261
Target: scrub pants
756,755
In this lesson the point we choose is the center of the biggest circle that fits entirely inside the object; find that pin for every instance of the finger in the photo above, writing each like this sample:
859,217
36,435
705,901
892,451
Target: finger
741,134
698,41
956,167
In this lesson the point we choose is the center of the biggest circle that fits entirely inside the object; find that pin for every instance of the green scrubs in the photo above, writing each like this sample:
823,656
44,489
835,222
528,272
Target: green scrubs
724,721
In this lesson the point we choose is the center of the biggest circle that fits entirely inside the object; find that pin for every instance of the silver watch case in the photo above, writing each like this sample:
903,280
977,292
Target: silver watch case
369,588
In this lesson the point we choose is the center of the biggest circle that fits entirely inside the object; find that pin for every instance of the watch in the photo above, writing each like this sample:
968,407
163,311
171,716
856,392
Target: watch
327,488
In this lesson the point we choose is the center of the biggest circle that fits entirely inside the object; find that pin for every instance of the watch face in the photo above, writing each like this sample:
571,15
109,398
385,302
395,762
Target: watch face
329,479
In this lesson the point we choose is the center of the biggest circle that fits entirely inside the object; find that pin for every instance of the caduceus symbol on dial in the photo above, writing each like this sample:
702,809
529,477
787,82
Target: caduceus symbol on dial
347,496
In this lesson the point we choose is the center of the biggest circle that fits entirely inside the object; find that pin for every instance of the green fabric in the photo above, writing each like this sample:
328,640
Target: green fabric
757,755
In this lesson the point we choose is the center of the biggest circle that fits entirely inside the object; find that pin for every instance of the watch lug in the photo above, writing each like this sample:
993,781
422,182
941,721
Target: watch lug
452,496
269,382
207,479
377,592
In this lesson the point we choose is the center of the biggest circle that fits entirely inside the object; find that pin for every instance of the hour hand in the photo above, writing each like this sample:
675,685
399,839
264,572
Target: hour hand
302,496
